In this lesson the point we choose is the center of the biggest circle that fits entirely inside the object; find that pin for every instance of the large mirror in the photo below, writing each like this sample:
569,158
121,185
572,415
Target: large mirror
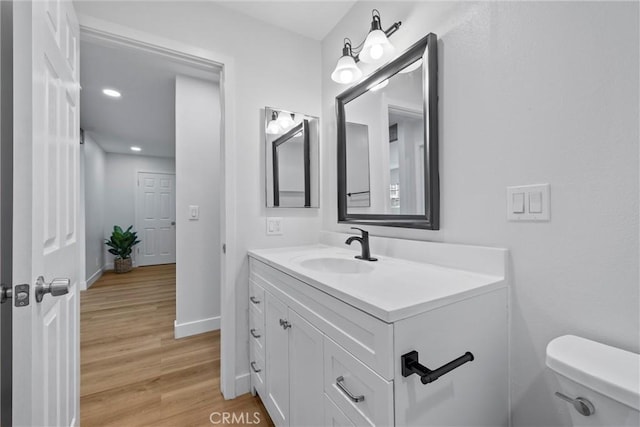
388,143
291,142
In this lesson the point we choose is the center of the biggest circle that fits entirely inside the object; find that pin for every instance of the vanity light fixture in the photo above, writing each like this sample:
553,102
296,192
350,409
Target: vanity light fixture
111,93
285,120
375,48
273,128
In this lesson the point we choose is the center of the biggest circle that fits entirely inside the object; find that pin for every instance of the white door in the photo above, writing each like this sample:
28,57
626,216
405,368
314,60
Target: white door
277,355
155,218
46,232
306,379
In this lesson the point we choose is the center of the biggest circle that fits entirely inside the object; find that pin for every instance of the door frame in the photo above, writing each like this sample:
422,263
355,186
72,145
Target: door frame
135,208
98,30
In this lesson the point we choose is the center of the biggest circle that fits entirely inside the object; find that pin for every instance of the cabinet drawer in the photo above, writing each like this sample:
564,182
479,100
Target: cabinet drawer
256,297
333,416
344,375
256,330
258,372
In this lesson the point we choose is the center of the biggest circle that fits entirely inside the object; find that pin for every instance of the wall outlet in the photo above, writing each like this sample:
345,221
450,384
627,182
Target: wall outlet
529,203
274,226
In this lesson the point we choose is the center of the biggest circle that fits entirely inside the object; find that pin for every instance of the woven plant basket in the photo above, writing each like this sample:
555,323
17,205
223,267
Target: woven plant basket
122,265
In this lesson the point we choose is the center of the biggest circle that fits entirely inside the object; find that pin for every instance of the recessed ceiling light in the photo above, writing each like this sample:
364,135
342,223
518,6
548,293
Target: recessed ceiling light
134,148
112,93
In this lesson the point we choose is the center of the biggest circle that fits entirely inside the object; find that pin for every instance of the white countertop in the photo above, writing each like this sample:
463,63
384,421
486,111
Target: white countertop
394,289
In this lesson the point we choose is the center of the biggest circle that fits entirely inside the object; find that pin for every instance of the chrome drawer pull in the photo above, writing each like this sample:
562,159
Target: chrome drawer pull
254,300
285,324
340,384
253,366
253,333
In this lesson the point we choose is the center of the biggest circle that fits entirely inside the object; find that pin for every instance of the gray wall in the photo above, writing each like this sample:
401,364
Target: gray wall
530,92
94,178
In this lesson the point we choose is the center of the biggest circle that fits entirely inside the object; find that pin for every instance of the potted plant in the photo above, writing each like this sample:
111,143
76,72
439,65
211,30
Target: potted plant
121,244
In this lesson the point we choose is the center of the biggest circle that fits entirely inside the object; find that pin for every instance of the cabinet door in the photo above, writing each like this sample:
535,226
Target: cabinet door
277,352
305,373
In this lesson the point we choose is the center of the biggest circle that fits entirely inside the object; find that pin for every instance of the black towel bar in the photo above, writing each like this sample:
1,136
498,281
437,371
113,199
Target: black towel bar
410,366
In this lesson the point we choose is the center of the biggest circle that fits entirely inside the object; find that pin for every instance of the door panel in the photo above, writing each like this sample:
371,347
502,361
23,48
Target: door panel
306,372
155,212
277,401
46,210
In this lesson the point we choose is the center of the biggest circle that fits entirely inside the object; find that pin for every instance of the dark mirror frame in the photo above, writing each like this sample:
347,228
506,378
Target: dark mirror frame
304,128
426,49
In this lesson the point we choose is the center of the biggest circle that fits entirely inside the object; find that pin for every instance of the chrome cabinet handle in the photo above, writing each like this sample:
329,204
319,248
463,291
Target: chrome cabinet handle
254,300
56,288
582,405
253,333
341,386
285,324
253,366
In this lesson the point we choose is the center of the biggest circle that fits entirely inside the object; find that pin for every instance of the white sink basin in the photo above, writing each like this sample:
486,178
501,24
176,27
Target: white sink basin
337,265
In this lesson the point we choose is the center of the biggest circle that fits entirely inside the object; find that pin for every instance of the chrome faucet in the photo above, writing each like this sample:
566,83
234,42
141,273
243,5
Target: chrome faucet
364,243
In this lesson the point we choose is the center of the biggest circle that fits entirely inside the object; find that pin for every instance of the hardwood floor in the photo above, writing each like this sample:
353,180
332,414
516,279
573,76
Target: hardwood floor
134,373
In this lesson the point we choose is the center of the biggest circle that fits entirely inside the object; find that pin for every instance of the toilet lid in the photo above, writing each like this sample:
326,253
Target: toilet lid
605,369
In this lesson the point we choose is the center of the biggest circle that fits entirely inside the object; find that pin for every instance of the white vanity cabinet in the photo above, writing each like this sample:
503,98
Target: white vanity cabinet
326,361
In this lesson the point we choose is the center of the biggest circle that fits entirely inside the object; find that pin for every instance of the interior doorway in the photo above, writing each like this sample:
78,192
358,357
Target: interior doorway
156,218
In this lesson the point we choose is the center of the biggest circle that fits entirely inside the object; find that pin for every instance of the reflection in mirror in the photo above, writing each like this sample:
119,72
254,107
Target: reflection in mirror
387,143
291,159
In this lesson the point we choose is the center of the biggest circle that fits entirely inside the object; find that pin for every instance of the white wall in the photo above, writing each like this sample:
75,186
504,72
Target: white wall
287,80
94,203
530,93
120,186
197,242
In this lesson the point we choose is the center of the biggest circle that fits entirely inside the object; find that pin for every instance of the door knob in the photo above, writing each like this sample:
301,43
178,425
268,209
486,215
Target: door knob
56,288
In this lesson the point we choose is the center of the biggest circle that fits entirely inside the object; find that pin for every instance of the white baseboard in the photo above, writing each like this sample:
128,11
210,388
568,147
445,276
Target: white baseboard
94,277
243,384
181,330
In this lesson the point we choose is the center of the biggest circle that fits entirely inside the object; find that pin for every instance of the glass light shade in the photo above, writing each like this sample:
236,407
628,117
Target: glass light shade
285,121
346,71
273,128
376,48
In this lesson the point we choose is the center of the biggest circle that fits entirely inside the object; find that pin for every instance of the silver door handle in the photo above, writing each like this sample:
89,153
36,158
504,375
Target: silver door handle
56,288
582,405
253,333
253,366
340,384
254,300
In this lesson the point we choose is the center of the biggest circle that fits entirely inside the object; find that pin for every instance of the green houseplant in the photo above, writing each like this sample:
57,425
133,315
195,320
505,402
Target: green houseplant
121,245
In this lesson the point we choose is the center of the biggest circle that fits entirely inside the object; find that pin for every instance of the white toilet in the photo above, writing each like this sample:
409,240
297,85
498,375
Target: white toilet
604,380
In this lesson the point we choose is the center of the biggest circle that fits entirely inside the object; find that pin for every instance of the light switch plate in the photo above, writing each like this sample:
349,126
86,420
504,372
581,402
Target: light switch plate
274,226
537,201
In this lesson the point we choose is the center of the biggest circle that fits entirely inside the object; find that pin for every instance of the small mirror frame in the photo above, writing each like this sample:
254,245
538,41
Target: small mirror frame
426,49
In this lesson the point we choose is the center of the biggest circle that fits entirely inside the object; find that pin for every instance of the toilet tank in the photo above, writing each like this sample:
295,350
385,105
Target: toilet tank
608,377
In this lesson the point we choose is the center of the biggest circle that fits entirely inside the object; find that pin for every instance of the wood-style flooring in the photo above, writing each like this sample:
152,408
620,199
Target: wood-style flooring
133,371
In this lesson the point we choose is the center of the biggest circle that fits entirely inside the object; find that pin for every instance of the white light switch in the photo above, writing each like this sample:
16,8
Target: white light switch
274,226
518,202
194,212
528,203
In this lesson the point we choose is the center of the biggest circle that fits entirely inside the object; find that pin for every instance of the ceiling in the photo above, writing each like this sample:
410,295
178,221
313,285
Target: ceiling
310,18
145,114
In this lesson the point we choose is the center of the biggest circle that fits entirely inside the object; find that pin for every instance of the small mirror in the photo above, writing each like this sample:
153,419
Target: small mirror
291,143
388,143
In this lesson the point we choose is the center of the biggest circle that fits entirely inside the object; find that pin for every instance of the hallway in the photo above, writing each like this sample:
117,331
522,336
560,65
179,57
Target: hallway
133,372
